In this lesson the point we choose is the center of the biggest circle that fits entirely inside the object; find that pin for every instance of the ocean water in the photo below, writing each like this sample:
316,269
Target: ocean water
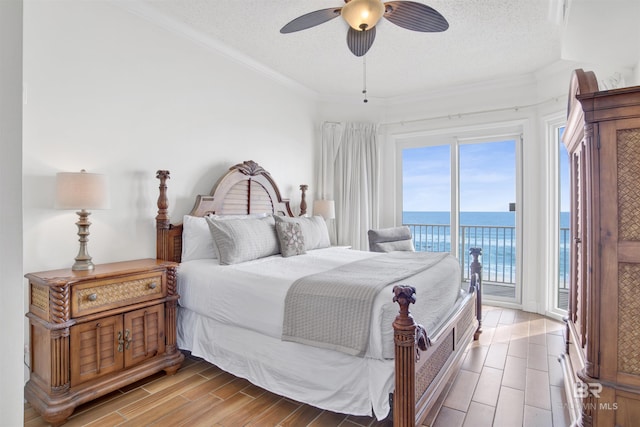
496,219
494,232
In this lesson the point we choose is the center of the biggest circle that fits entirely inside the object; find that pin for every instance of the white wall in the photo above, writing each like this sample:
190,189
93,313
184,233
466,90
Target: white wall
11,303
113,93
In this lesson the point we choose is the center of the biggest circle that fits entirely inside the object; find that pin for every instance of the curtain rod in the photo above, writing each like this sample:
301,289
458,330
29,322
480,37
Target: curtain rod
471,113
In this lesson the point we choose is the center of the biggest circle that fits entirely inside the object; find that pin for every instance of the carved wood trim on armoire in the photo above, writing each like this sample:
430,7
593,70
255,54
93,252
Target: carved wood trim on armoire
602,356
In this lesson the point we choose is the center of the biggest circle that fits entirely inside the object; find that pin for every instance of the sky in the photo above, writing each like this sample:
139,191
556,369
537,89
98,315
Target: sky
565,190
487,177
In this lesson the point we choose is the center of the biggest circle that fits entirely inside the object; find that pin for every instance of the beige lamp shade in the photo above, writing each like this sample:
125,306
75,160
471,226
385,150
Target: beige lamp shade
324,208
82,190
362,14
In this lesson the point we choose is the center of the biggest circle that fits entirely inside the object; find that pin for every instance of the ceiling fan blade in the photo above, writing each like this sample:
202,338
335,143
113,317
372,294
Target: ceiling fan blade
359,42
415,16
311,19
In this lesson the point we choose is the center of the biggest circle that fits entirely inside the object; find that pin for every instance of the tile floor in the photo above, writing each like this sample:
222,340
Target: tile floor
511,376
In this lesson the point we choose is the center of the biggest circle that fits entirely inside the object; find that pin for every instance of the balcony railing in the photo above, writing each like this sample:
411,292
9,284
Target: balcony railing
498,245
563,261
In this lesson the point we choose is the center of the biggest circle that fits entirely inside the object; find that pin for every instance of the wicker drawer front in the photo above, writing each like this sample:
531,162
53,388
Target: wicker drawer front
95,296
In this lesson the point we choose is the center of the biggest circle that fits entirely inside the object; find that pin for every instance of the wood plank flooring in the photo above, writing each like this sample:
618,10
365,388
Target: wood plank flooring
509,377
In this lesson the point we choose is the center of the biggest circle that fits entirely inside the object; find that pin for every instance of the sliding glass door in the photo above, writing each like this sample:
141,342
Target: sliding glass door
460,193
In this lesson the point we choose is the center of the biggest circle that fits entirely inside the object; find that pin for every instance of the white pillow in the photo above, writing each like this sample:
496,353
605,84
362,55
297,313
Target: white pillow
197,242
240,240
314,230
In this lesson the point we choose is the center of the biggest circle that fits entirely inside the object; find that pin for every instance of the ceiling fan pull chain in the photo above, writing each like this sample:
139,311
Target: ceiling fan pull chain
364,78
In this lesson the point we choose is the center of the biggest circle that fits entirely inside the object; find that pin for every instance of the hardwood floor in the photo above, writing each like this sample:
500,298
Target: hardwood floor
509,377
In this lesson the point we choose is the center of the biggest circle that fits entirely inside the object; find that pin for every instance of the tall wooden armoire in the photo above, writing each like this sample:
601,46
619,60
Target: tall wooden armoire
602,360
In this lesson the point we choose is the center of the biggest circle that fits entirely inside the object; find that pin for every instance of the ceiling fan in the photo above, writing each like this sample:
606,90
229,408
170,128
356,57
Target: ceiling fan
363,15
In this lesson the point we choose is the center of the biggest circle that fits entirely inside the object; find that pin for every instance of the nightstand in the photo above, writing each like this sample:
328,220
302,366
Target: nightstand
93,332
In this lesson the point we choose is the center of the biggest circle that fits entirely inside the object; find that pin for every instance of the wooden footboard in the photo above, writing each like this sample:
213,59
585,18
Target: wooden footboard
424,366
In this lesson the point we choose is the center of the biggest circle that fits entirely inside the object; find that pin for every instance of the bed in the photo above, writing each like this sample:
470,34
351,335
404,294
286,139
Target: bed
238,309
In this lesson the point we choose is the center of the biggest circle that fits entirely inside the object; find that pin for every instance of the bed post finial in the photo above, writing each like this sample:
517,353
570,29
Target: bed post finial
475,277
162,219
303,200
404,336
163,222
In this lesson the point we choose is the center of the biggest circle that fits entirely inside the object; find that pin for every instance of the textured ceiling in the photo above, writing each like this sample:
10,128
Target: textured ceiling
486,39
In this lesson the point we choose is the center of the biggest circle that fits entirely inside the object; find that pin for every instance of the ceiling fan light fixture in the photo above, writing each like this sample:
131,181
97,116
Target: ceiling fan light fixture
362,15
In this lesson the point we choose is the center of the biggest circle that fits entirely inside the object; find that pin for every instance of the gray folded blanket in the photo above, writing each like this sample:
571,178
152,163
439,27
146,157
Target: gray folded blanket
333,309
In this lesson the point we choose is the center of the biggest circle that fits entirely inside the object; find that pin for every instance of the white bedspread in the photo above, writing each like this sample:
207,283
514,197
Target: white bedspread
232,316
251,295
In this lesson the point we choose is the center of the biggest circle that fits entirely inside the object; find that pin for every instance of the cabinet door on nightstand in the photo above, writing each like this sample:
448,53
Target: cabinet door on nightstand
94,349
144,334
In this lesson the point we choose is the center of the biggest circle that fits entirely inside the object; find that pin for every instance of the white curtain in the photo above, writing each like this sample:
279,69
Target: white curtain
350,175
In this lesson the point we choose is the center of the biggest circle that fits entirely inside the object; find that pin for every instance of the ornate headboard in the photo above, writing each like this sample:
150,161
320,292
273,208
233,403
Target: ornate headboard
245,189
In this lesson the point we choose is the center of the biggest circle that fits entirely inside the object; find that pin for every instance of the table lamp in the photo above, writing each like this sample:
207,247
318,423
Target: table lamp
82,190
324,208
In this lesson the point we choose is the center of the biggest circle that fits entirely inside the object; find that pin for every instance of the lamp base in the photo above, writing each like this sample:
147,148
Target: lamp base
83,259
83,265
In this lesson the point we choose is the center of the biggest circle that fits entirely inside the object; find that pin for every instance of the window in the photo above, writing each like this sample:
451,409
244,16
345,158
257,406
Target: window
564,235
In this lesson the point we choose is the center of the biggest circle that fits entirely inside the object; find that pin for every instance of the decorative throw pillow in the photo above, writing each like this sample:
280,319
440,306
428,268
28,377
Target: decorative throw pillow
291,238
314,229
391,239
